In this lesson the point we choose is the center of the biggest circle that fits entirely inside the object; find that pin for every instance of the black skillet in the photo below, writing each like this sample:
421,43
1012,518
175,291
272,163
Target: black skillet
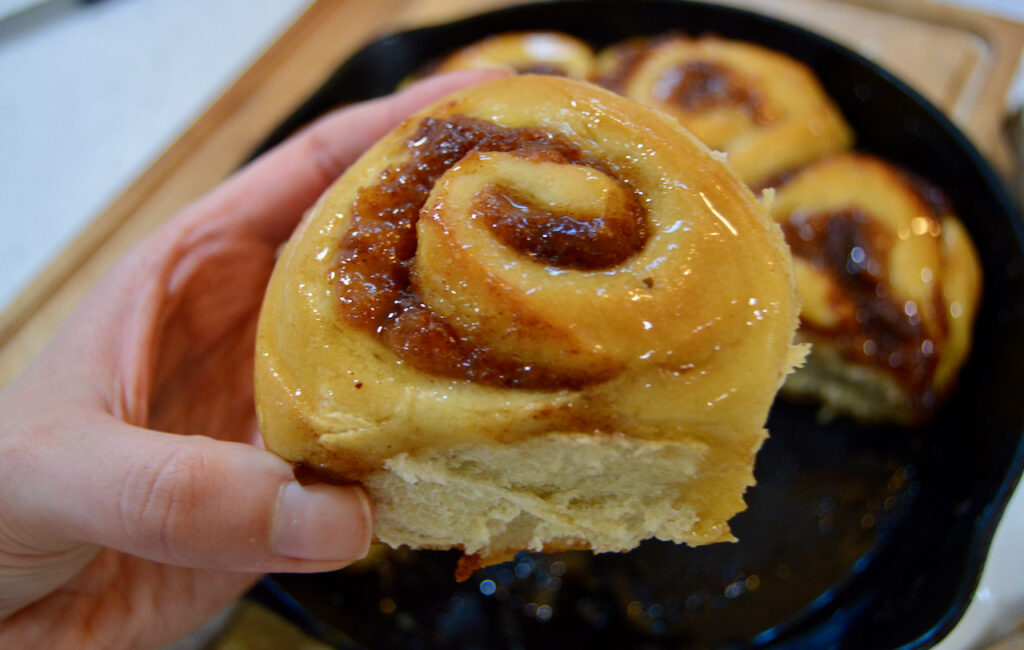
855,537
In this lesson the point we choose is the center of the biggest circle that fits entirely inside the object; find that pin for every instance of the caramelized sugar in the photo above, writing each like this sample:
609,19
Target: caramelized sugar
561,239
699,86
377,252
853,247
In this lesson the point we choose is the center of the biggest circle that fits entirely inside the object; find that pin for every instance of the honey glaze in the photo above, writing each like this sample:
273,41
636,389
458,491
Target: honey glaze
372,271
560,239
874,325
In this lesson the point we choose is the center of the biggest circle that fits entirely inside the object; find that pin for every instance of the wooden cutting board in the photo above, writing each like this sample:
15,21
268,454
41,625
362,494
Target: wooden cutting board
962,60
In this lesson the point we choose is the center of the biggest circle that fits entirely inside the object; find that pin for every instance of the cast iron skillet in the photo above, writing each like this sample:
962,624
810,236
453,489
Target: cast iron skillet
855,537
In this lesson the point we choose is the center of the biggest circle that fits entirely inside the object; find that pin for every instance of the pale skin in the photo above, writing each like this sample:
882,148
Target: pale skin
135,499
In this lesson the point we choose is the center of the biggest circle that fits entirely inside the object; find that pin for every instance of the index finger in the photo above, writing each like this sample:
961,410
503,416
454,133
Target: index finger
267,197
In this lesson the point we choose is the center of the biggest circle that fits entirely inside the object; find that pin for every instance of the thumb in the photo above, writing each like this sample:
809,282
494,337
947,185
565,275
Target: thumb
184,500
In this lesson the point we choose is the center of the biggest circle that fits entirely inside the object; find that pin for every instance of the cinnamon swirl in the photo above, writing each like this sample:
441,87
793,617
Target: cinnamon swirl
535,316
766,110
890,284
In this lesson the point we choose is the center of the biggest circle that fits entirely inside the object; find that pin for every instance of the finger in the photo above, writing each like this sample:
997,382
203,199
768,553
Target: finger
183,500
164,606
268,197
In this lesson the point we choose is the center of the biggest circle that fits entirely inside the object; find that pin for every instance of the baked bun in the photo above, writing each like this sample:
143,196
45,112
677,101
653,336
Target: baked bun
890,284
766,110
540,52
535,316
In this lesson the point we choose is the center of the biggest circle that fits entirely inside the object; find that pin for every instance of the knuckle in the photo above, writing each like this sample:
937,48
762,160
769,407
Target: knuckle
160,499
17,451
322,151
25,445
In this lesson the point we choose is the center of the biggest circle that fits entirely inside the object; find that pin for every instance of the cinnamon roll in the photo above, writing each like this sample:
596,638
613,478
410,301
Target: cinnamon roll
539,52
890,284
766,110
535,316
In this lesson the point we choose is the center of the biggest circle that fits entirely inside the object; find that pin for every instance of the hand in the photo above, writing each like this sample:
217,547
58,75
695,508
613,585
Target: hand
133,502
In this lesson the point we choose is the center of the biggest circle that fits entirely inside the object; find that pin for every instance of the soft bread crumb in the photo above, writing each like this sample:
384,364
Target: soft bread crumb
605,492
844,387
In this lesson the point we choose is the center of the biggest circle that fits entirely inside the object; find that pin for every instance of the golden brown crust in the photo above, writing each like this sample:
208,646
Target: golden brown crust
888,277
684,339
766,110
533,52
317,375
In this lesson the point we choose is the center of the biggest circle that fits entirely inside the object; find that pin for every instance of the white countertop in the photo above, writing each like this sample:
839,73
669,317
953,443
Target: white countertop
90,94
93,93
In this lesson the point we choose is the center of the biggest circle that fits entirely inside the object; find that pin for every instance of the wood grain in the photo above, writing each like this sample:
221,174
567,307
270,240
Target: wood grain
962,60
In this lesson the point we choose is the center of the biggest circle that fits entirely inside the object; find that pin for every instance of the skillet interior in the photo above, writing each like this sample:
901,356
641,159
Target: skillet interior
858,537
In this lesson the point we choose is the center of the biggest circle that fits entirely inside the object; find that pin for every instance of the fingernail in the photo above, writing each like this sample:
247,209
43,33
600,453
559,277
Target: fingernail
321,522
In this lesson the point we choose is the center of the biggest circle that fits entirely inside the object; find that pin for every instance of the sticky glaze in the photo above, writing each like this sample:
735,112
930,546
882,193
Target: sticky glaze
372,272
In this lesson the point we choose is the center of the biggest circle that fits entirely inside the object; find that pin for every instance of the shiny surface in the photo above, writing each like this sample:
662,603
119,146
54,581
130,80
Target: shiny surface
687,338
764,109
164,62
378,278
885,279
905,578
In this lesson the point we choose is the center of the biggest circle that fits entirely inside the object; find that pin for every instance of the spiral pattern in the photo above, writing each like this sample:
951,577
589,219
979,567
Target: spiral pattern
533,256
523,190
889,279
763,108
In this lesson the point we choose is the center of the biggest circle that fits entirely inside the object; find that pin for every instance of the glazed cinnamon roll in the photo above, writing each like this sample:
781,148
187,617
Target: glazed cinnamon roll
766,110
890,284
535,316
540,52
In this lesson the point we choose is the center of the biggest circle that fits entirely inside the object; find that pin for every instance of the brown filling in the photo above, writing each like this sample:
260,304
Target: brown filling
853,247
561,239
376,255
696,86
699,86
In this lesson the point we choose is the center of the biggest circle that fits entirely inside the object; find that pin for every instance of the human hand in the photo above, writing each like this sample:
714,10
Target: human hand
133,502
